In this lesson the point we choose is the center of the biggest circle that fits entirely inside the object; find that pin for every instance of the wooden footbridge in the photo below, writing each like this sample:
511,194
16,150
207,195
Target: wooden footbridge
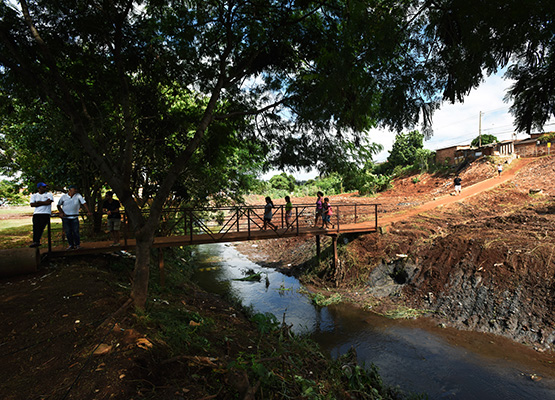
194,226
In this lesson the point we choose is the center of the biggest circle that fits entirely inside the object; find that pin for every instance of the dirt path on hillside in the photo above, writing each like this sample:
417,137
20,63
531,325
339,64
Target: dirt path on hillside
466,193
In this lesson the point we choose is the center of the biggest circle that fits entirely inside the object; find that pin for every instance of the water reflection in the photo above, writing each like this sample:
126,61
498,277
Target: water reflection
281,297
415,359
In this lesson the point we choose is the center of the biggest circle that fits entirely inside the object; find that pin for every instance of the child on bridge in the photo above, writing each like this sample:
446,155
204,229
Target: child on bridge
327,212
268,214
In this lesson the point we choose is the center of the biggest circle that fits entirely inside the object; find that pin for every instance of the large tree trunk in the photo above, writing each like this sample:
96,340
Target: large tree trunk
142,269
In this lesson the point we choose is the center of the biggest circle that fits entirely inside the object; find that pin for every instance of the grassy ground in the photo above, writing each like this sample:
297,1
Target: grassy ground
18,232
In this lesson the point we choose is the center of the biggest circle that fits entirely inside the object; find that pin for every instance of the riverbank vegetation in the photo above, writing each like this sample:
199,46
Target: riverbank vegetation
358,172
78,343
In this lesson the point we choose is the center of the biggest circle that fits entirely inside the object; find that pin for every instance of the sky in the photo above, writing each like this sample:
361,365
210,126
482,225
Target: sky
458,124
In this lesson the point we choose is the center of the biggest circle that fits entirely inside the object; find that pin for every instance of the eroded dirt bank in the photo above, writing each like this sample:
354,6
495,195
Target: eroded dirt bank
486,263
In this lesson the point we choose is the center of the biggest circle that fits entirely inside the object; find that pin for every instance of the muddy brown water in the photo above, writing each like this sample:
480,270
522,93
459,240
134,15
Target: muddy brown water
415,355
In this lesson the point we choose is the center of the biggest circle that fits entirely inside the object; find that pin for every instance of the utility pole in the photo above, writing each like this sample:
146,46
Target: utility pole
480,129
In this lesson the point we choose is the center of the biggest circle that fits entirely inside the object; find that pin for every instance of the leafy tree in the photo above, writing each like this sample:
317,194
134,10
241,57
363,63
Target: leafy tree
484,139
10,193
423,157
36,144
547,137
370,183
468,40
283,182
404,150
151,90
329,184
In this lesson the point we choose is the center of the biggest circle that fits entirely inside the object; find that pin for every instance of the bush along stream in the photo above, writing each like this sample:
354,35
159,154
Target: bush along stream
209,346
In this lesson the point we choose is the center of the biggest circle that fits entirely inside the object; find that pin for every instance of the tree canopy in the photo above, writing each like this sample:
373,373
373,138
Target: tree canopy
162,95
473,39
483,140
152,91
405,148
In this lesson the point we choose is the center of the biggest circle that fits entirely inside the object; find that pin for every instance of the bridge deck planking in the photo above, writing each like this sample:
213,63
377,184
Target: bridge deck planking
175,241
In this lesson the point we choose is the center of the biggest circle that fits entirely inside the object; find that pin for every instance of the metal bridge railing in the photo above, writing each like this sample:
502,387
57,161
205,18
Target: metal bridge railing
219,222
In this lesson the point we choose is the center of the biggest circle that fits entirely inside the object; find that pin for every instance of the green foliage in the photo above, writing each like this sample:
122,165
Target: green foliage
484,139
251,277
283,182
10,193
283,364
477,39
161,103
323,301
401,171
404,150
423,159
180,329
265,322
39,147
371,183
329,184
547,137
406,313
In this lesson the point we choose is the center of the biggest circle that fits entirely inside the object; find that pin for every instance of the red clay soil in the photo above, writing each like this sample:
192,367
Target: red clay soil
483,261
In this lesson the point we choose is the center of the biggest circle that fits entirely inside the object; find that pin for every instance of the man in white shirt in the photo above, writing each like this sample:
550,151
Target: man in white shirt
42,201
68,206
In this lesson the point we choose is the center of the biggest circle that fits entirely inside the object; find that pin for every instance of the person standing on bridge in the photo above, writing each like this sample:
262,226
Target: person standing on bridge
319,207
268,214
327,212
42,202
288,212
499,169
110,206
457,183
68,206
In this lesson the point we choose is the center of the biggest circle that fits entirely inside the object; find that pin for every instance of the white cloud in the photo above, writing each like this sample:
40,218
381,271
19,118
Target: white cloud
455,124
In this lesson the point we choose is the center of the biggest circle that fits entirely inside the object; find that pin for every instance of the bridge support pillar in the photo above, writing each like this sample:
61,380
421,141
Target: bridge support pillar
335,259
318,249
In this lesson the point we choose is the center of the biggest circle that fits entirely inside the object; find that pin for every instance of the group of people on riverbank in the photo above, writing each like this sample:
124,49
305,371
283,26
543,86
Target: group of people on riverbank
68,206
324,212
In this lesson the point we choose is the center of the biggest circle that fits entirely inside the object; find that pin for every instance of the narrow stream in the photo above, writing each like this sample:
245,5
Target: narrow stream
416,357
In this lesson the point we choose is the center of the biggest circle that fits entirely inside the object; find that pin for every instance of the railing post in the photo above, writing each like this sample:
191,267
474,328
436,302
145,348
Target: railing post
191,225
185,222
356,215
335,258
248,222
297,218
238,220
376,215
161,267
318,249
49,237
